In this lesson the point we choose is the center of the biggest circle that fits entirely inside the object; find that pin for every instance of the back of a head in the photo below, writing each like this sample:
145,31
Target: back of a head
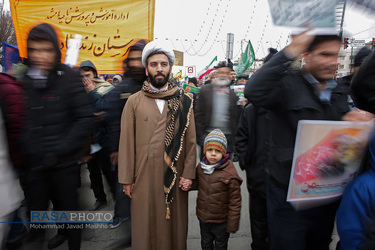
271,53
361,56
45,32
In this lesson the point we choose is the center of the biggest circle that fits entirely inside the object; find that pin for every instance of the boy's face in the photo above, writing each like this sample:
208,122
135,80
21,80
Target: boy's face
213,156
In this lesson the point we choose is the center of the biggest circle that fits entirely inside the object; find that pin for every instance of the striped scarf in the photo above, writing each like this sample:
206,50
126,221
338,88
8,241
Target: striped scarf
180,107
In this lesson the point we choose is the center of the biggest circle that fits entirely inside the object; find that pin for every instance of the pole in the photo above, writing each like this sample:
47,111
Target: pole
230,41
351,61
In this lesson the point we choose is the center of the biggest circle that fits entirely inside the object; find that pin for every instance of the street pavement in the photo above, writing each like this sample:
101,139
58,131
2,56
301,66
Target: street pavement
119,238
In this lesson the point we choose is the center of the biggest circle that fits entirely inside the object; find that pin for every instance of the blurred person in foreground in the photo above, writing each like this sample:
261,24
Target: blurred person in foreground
288,96
10,190
116,100
58,123
358,60
12,102
252,146
355,216
217,107
157,153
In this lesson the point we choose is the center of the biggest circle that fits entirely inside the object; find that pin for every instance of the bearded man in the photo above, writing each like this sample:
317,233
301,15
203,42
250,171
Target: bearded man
217,107
156,154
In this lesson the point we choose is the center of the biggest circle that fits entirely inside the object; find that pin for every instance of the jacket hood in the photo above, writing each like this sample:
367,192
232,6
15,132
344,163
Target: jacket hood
49,35
89,64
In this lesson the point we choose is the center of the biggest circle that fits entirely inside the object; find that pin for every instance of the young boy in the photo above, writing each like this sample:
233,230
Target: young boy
219,193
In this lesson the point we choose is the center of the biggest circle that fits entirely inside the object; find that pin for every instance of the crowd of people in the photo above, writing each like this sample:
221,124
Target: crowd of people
141,131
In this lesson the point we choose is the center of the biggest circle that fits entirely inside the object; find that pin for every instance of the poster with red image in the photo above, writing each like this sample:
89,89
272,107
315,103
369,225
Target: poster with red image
327,156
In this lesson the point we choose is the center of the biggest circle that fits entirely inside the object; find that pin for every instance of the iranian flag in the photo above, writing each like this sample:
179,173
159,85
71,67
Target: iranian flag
207,69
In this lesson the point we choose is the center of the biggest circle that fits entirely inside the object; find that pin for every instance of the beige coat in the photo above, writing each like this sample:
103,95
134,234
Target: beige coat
141,162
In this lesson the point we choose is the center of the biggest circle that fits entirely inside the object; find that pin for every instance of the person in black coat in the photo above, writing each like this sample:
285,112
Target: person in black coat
290,95
58,123
217,107
115,103
252,147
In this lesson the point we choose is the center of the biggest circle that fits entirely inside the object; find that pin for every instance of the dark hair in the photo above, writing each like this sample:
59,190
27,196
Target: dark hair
322,39
271,53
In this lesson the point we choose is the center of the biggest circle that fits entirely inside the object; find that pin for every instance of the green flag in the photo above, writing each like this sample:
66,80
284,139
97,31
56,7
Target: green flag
247,59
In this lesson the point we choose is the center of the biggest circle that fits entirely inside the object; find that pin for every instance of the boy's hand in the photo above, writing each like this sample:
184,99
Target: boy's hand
185,184
89,85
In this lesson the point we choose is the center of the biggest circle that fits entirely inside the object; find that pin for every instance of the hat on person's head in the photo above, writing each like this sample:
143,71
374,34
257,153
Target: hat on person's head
89,64
193,80
139,45
118,77
215,140
361,56
157,47
222,64
243,76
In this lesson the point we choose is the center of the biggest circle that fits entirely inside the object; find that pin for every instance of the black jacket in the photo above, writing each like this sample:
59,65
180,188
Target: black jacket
252,142
288,98
115,103
204,112
363,85
59,118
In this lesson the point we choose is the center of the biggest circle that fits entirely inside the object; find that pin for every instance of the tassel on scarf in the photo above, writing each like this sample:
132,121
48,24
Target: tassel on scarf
168,215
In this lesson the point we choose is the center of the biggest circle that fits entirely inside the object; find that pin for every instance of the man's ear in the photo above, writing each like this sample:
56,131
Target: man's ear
306,56
146,72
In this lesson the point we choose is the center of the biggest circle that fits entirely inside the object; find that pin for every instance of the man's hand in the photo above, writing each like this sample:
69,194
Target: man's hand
358,116
89,84
128,188
299,44
185,184
114,158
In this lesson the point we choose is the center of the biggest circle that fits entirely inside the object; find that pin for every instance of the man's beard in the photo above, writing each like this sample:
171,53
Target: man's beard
158,83
221,82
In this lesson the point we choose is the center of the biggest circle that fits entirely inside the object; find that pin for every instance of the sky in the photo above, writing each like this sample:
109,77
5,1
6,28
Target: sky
251,19
199,28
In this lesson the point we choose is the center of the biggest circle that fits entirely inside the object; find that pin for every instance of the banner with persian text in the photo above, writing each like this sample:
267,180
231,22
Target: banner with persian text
108,28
